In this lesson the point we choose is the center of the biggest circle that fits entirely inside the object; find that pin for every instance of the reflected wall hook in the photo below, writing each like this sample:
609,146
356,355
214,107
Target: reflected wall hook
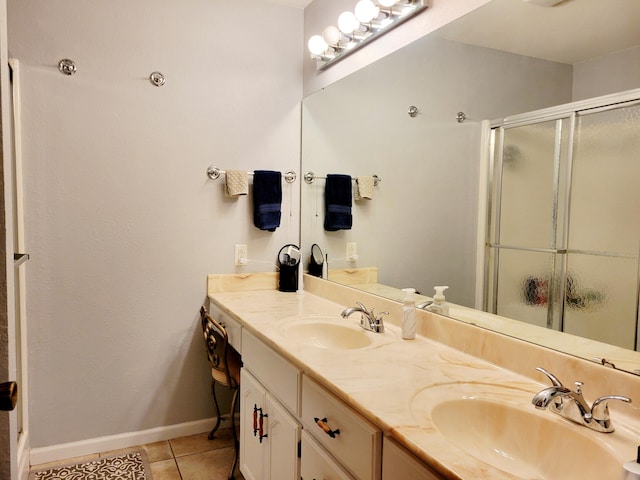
67,67
461,117
157,79
413,111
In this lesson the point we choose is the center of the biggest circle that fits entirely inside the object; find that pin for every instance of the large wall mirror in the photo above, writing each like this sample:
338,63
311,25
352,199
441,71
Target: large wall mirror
425,225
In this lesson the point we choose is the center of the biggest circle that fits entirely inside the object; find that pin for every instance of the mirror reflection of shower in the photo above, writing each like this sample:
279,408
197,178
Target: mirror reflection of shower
564,231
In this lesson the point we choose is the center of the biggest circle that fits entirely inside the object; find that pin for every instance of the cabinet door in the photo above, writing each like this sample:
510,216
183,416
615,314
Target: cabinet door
274,455
282,442
252,397
397,463
316,464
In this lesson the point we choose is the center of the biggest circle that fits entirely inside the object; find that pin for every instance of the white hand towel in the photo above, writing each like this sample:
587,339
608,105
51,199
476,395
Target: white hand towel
235,183
364,188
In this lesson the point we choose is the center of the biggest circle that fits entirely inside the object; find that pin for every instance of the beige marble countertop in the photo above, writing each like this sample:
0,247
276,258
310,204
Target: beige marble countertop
382,382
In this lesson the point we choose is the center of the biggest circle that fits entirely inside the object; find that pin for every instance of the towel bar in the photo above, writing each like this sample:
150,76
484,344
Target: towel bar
310,177
214,173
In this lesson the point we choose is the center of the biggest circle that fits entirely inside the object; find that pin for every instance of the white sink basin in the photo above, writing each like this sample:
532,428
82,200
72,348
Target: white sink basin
331,332
499,427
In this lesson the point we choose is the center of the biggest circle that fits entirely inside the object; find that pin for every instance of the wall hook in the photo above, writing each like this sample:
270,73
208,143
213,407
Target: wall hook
461,117
67,67
413,111
157,79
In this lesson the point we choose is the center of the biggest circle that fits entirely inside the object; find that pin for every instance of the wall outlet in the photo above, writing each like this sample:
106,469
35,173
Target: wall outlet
240,255
352,251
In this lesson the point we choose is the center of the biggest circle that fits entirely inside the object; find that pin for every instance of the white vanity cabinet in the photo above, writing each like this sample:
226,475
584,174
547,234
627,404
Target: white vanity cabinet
354,442
293,428
269,400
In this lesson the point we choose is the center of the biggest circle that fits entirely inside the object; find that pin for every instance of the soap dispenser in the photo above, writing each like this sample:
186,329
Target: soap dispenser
439,304
408,314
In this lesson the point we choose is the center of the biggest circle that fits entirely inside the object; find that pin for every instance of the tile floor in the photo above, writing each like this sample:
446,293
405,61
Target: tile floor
185,458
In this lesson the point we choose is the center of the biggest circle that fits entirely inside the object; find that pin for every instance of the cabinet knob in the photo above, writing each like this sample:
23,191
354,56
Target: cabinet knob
322,423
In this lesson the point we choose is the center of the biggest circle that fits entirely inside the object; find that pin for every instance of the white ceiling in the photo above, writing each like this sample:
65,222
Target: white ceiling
570,32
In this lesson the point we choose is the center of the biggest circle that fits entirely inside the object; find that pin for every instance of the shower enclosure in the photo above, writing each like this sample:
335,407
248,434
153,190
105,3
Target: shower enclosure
563,241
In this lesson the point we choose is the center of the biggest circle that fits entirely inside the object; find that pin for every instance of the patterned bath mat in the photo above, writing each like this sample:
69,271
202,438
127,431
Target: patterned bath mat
130,466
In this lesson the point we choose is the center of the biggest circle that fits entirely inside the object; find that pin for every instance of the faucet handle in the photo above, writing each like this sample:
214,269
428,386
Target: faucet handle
600,407
363,308
379,316
553,378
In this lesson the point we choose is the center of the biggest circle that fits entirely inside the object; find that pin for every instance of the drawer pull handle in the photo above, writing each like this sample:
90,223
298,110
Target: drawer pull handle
258,423
255,419
322,423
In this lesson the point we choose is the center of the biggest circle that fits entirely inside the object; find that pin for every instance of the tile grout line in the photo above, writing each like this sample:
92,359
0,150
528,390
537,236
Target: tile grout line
175,460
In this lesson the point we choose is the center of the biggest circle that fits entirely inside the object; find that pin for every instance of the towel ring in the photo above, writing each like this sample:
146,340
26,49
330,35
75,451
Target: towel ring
214,173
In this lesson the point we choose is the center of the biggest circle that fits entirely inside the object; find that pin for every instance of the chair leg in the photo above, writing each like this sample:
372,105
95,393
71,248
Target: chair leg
236,443
215,402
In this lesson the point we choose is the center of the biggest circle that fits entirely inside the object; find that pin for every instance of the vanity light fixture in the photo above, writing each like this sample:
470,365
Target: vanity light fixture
369,20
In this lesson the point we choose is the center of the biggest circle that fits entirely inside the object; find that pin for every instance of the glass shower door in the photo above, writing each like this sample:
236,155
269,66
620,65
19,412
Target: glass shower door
528,213
604,226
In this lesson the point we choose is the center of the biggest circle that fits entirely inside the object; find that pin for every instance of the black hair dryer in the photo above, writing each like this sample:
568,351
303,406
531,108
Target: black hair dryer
288,261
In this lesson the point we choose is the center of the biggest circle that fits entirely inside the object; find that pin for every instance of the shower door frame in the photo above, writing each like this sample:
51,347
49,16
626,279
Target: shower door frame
493,184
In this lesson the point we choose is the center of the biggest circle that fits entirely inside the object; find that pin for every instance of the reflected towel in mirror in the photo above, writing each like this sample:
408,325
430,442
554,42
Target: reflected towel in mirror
337,199
364,188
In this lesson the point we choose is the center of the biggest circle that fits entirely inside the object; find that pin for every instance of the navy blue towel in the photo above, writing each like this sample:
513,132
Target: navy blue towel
267,199
337,202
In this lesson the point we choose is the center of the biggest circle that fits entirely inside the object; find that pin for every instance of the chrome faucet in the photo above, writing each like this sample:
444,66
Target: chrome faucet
368,319
572,405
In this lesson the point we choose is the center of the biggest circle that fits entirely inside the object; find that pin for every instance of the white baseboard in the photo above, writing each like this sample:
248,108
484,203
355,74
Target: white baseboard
114,442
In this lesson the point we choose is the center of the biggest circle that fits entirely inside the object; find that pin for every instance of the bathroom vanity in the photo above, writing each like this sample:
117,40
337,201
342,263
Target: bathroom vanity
323,398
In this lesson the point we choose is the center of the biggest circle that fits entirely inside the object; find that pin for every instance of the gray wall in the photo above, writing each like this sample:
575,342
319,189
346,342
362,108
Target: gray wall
122,223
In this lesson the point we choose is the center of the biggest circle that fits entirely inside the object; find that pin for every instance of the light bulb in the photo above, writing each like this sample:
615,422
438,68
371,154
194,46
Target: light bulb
366,11
347,22
387,3
331,35
317,45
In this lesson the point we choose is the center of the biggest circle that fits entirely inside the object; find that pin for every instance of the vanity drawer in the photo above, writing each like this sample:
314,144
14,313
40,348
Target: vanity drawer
317,464
234,330
280,377
358,445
